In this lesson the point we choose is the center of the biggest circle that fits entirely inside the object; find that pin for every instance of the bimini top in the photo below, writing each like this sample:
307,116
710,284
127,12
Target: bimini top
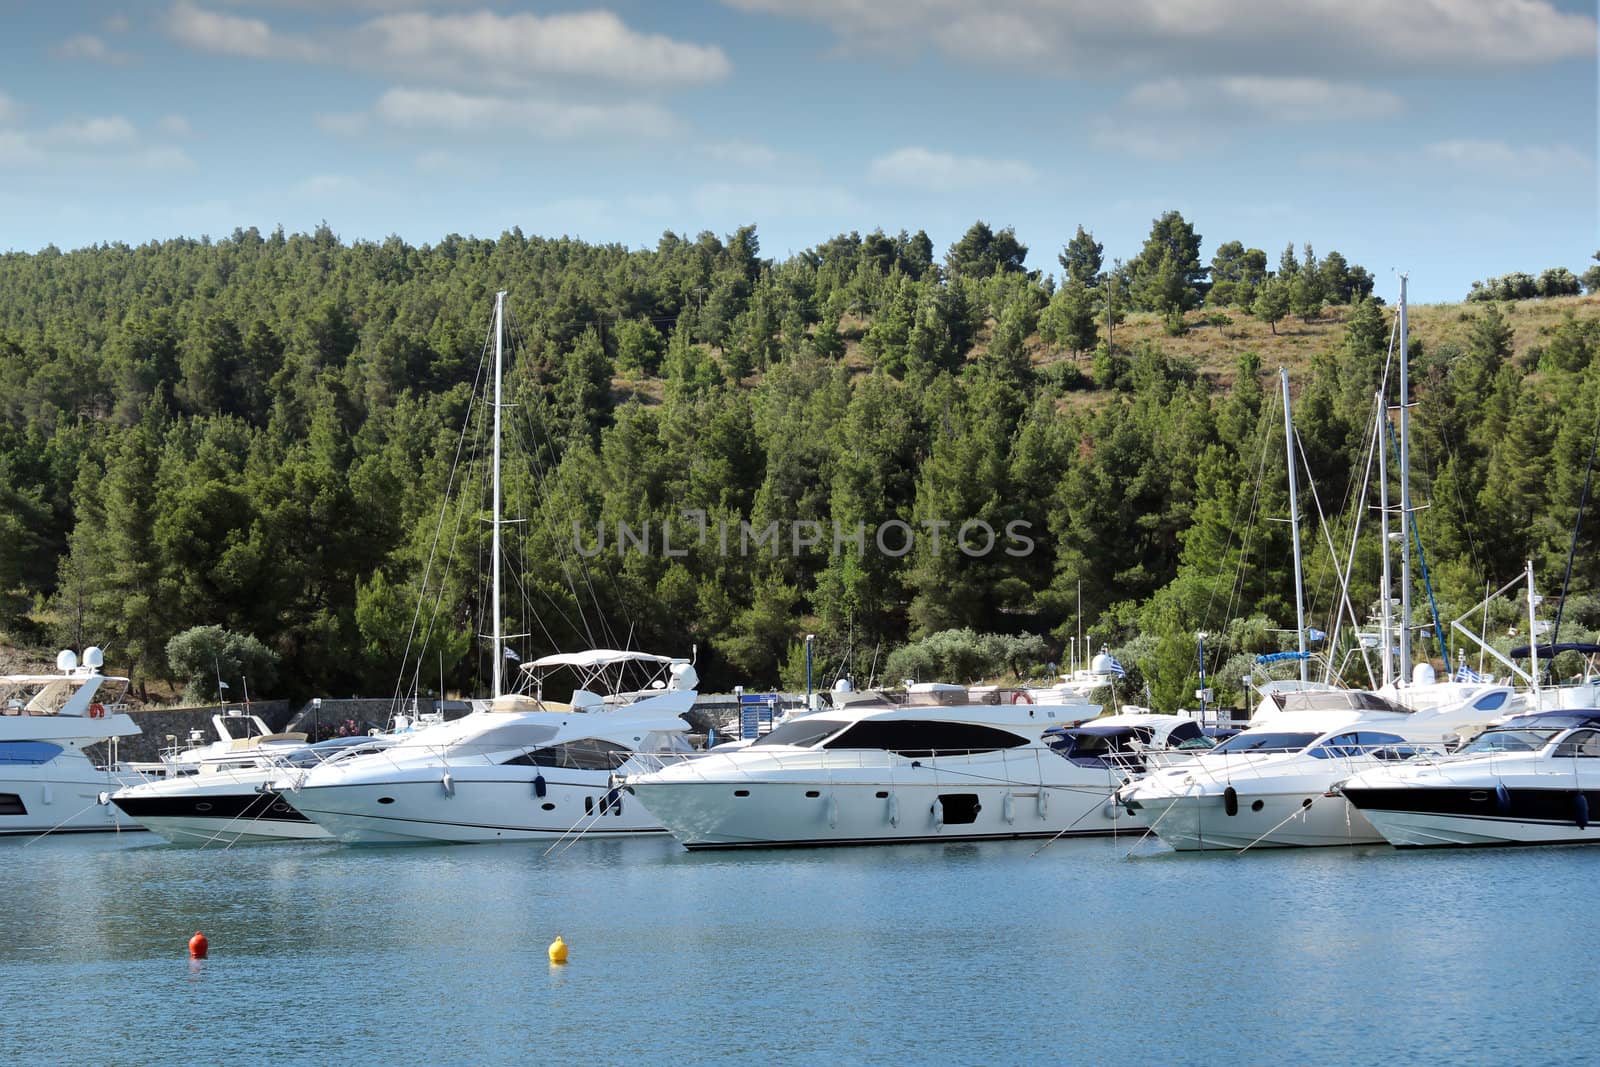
1549,651
1555,719
1336,700
594,657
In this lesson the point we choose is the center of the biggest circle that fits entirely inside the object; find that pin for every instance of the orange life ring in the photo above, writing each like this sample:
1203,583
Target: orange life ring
97,711
1020,697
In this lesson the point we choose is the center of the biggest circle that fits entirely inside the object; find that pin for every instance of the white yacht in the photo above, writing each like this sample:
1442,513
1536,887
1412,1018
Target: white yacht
1532,780
47,782
524,768
228,799
1273,784
878,768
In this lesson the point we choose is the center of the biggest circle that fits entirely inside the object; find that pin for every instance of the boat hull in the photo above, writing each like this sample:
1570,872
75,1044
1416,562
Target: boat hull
46,799
746,814
474,810
225,819
1456,816
1196,823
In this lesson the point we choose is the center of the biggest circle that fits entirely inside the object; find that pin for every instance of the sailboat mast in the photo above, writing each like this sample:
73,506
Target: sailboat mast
1386,590
494,537
1405,496
1294,525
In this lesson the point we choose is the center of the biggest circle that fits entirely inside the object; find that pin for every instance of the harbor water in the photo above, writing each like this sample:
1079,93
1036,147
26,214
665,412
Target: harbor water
990,953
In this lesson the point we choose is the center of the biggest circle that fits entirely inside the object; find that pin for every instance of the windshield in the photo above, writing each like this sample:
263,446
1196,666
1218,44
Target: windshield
1251,741
1509,741
802,733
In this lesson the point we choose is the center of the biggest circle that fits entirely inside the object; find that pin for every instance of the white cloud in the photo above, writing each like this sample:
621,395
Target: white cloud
232,35
481,48
88,46
324,186
174,126
1500,158
923,170
18,150
473,114
1155,143
1278,99
1305,38
93,133
511,50
116,24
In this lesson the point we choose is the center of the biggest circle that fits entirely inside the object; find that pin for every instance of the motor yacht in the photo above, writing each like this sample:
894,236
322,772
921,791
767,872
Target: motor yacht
524,768
926,764
1273,785
48,783
228,800
1532,780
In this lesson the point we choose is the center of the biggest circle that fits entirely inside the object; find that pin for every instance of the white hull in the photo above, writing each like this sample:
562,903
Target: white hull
208,833
477,809
870,812
61,799
1201,823
1408,829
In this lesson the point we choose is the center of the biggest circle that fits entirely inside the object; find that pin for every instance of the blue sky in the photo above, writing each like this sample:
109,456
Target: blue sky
1453,139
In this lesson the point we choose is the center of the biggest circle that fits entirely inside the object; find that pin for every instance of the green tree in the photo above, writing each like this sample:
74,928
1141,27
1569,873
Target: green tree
1167,274
1272,303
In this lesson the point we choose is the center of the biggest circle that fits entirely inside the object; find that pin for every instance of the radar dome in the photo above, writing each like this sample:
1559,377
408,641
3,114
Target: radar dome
94,656
843,686
1423,674
1101,664
66,660
684,676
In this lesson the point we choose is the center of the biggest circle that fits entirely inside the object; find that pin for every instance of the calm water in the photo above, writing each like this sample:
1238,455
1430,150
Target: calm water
910,954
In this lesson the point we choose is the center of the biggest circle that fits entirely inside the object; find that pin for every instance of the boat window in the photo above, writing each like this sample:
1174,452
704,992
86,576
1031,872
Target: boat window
1187,730
1509,741
28,752
1340,746
802,733
914,737
1491,701
587,754
1251,741
11,804
1581,743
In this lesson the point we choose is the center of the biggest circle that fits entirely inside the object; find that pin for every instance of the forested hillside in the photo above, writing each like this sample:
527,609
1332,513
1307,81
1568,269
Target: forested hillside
256,433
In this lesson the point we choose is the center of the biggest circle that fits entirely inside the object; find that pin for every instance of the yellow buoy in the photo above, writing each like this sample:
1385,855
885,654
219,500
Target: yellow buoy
558,950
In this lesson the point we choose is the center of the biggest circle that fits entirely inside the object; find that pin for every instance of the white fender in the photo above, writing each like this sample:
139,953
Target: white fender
894,810
1008,809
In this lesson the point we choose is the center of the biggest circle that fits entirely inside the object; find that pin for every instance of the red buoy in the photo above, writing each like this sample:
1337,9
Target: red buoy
198,946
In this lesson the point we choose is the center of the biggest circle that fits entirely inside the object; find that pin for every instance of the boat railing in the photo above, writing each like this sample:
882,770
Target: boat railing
1262,765
958,762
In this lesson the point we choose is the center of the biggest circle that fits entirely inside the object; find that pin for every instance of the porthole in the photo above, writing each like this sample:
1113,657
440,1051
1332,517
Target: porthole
741,792
883,794
386,800
202,806
548,807
1258,805
812,793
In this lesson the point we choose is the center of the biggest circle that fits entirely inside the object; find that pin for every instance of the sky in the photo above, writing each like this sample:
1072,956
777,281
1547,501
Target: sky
1447,139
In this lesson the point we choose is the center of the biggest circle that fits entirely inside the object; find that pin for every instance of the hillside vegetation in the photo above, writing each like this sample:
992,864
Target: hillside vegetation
257,433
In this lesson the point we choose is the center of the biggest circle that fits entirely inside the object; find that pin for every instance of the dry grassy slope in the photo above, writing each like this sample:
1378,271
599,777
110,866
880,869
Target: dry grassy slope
1215,349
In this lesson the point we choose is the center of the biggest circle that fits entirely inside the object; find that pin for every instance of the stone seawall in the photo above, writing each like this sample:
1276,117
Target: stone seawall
157,724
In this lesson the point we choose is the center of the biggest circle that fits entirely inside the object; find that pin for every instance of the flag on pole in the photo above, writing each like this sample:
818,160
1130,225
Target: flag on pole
512,656
1467,674
221,684
1116,668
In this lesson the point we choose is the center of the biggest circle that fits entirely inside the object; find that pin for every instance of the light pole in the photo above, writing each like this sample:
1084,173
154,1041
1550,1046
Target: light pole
1202,693
810,639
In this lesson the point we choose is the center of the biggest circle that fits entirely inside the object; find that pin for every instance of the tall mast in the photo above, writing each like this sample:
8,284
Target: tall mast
1294,525
1386,590
1405,497
494,537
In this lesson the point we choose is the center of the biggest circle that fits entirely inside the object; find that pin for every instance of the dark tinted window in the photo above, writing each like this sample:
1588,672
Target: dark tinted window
11,804
1585,743
1187,730
802,733
1250,741
589,754
920,738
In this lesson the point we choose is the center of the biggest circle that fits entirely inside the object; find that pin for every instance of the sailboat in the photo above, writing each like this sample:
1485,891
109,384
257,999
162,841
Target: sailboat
522,766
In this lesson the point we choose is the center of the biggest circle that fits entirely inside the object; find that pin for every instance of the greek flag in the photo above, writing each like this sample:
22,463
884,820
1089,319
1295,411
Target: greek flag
1116,668
512,656
1316,635
1466,674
